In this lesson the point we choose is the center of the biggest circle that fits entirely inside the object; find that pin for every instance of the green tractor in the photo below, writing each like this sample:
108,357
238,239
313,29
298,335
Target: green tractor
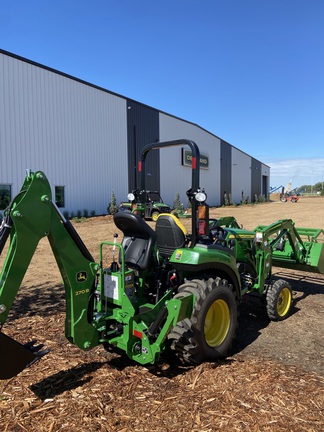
148,204
158,289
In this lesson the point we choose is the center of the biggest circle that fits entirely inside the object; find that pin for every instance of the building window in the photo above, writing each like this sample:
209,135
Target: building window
59,196
5,196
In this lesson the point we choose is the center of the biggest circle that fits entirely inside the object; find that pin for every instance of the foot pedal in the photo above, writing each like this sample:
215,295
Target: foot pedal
15,357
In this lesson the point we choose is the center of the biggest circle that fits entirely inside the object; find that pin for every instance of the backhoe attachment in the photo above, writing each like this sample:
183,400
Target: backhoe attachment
15,357
31,216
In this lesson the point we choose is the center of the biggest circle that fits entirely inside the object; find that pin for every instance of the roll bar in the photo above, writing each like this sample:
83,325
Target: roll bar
195,169
195,165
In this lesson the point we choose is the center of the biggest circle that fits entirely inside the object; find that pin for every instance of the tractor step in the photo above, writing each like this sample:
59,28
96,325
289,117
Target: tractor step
15,357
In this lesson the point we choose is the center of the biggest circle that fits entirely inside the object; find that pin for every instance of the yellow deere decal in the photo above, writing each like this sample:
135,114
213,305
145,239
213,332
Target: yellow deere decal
81,276
250,236
178,255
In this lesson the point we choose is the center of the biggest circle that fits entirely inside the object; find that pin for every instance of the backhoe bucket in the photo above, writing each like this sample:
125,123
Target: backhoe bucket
15,357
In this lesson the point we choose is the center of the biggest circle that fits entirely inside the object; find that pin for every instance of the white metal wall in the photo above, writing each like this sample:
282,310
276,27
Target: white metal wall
241,175
176,178
75,133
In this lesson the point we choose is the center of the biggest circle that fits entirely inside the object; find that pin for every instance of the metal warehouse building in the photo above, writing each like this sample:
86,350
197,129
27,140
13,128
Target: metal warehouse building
88,141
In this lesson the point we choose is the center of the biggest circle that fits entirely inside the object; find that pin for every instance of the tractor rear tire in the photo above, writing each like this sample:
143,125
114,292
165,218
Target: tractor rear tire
279,300
208,334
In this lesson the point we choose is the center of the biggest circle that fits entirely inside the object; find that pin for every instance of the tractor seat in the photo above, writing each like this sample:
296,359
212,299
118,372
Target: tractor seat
139,239
171,234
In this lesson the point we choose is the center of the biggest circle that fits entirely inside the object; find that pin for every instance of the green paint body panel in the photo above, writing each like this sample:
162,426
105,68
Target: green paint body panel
207,260
294,248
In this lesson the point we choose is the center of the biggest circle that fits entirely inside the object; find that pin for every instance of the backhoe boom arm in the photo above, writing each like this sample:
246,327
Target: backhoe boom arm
31,216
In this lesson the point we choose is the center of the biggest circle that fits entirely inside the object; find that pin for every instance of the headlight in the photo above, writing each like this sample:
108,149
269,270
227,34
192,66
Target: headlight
131,197
200,196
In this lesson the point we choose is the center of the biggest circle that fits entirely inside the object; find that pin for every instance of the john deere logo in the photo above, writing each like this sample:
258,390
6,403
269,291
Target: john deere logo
81,276
187,159
178,255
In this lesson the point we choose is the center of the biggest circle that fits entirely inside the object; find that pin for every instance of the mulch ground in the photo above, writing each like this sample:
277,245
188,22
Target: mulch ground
71,390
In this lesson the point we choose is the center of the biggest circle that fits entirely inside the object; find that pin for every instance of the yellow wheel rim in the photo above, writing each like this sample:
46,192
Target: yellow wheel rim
155,216
283,302
217,323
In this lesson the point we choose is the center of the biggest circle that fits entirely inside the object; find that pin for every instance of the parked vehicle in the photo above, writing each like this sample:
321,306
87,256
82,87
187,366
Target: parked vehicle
148,204
159,288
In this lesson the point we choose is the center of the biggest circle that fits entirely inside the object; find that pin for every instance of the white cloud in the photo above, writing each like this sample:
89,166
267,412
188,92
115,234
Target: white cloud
298,170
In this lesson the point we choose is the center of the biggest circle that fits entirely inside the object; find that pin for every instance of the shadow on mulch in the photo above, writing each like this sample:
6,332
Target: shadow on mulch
253,317
38,301
305,283
65,380
168,367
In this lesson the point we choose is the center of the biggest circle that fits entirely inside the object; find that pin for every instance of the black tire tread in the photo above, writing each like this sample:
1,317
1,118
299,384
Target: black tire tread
185,335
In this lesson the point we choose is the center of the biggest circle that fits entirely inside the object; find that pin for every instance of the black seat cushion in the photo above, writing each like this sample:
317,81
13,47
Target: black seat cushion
170,234
139,239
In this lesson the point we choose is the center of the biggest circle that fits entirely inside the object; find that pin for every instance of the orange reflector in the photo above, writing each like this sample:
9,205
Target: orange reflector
138,334
201,212
139,166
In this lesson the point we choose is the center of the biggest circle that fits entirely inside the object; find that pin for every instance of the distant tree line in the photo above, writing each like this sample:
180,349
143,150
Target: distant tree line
318,187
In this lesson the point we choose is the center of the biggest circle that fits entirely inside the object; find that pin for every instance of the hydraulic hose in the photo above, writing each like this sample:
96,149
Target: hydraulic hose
7,223
4,232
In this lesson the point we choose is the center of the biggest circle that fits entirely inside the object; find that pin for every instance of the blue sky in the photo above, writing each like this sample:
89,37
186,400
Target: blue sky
249,71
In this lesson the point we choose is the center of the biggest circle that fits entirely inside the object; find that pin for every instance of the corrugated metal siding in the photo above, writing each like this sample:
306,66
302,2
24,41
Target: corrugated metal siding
226,170
81,136
75,133
142,129
255,178
176,178
241,175
265,169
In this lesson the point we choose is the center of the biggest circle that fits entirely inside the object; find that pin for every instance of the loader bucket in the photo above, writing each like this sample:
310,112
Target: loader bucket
15,357
314,259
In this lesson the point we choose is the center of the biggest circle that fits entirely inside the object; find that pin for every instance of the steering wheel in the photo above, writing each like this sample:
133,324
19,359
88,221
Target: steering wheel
217,235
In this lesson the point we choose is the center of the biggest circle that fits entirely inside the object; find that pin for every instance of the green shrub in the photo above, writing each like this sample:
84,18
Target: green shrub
230,201
226,200
112,208
177,203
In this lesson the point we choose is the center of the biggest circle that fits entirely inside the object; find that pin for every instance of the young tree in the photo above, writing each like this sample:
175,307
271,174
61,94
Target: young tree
112,208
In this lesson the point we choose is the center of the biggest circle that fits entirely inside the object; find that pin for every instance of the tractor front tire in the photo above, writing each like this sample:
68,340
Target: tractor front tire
208,334
154,216
279,300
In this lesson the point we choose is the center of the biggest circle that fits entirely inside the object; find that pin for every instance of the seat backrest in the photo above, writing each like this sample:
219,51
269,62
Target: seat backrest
139,239
171,234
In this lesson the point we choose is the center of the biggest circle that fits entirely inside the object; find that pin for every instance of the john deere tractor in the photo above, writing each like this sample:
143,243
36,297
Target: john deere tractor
159,288
147,203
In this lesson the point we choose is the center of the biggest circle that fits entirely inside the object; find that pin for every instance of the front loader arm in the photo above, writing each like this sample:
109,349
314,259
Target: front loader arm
31,216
